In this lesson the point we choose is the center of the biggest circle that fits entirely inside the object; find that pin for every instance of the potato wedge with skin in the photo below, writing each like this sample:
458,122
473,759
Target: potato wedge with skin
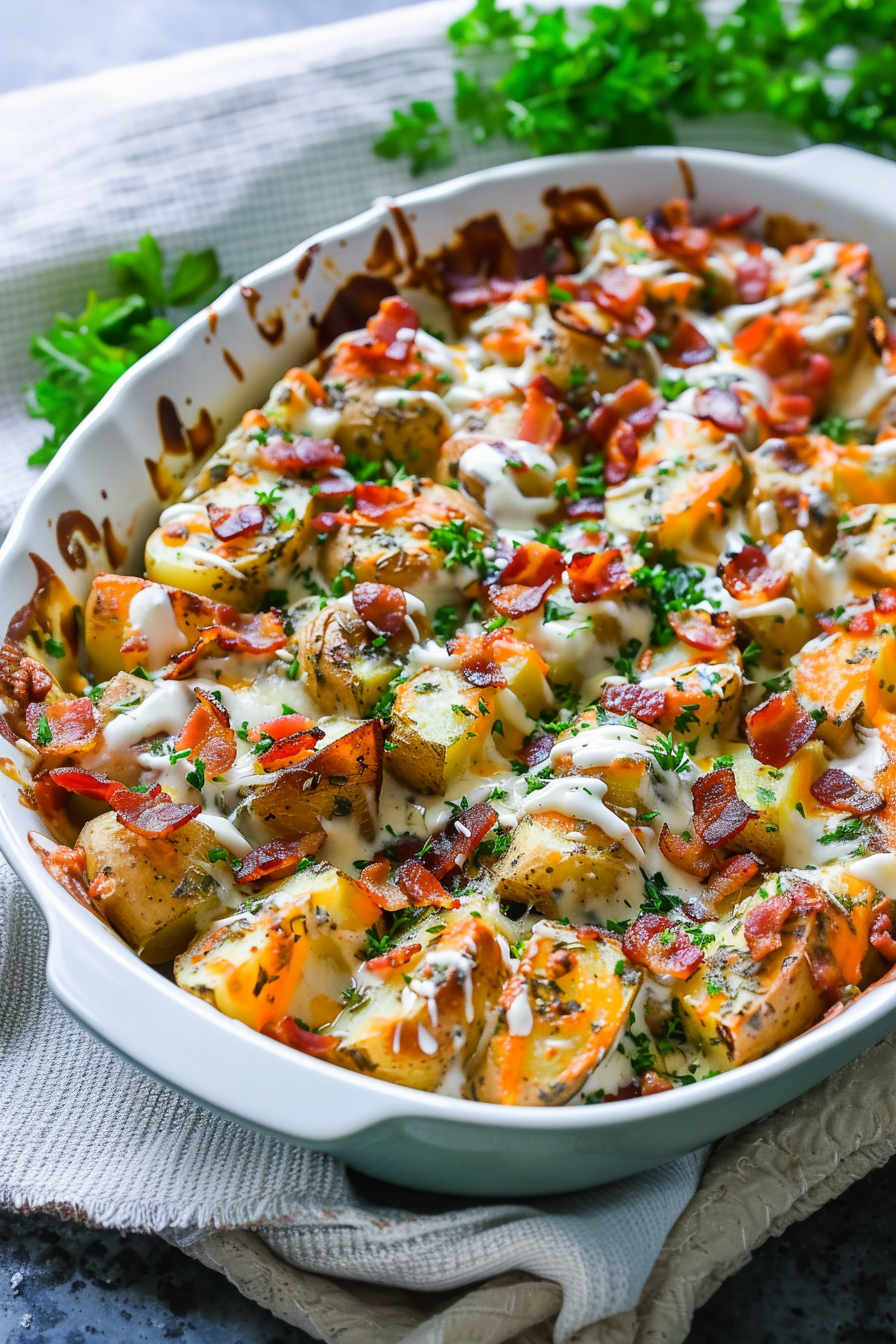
292,954
343,779
773,795
152,892
849,676
795,475
559,1016
612,751
427,1014
341,669
438,728
607,357
409,433
559,875
115,642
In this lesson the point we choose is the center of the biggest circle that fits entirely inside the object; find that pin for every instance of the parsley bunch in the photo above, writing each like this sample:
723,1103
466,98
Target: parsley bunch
612,77
83,356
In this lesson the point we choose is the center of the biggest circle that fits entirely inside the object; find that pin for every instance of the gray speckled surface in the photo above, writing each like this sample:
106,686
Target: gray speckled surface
826,1281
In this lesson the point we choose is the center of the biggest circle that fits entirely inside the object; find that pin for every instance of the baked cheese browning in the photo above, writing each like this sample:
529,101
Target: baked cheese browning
509,710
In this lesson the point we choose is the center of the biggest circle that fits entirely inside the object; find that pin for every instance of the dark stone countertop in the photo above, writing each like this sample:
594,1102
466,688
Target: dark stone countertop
825,1281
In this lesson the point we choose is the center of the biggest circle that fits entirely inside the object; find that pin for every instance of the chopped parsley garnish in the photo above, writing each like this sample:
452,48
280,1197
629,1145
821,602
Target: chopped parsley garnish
462,544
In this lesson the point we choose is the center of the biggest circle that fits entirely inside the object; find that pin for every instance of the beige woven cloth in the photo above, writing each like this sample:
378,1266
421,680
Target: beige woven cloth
759,1181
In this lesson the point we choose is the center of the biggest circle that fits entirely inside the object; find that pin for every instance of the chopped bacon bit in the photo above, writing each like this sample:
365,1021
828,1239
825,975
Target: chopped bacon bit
643,419
645,945
326,522
482,671
537,751
882,935
541,421
391,960
621,454
702,629
25,678
734,873
674,233
381,605
885,600
626,1093
721,406
688,346
596,574
381,503
581,318
839,791
298,456
286,726
291,750
288,1032
788,413
246,520
753,276
641,325
643,702
278,858
763,925
749,577
421,886
619,292
87,785
590,507
384,893
526,580
777,729
72,724
159,820
736,219
67,866
208,736
719,814
394,315
460,837
652,1083
691,856
229,631
477,295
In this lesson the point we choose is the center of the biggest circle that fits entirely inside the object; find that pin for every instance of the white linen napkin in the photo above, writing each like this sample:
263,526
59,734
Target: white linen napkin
251,148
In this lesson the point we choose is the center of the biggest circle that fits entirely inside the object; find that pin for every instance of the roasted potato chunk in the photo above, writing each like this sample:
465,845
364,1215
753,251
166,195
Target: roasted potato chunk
153,892
428,1013
773,795
562,866
559,1016
381,423
439,725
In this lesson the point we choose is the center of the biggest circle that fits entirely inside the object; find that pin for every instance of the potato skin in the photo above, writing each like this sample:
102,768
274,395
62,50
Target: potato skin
342,672
613,362
409,435
557,875
438,728
151,891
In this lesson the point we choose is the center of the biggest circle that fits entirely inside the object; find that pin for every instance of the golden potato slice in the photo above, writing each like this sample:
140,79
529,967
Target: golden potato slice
290,952
152,891
439,725
429,1012
559,1016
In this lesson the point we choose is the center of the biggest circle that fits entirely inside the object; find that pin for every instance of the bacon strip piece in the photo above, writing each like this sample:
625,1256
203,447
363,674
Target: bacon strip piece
152,814
643,702
663,947
734,873
228,631
719,814
527,578
687,346
691,856
208,736
777,729
278,858
288,1032
703,630
721,406
72,725
674,233
597,574
537,751
246,520
619,292
839,791
748,576
753,276
160,819
381,605
286,726
291,750
413,885
391,960
765,922
541,421
300,456
381,504
882,935
455,844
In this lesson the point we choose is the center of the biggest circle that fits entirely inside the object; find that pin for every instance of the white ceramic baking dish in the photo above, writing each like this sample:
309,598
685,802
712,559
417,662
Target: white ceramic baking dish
226,364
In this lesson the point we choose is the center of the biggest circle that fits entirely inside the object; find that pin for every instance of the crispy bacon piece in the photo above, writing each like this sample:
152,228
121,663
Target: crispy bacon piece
278,858
597,574
749,577
537,751
541,421
208,736
383,345
88,785
838,790
391,960
663,947
719,814
229,631
479,295
67,866
621,454
882,935
734,873
300,456
619,292
482,671
72,724
674,233
777,729
753,276
691,856
381,605
151,814
641,324
421,886
645,703
590,507
735,219
526,580
246,520
763,925
291,750
381,504
702,629
455,844
24,678
286,726
653,1083
288,1032
885,600
384,893
617,424
721,406
687,346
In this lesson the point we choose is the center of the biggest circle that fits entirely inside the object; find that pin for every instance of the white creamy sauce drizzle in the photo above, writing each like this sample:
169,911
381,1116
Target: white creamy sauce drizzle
152,616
